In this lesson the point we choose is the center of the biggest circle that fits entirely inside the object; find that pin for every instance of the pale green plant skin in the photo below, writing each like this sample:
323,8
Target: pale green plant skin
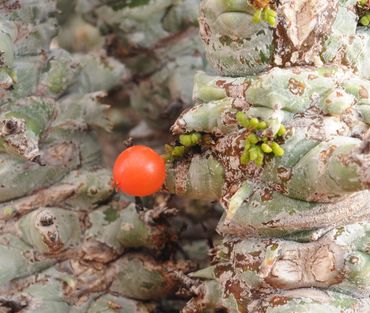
302,91
295,227
158,42
320,182
236,46
58,288
296,236
123,305
64,239
75,34
280,265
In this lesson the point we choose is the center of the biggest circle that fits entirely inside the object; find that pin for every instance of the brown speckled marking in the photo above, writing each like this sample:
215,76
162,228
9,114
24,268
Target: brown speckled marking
325,155
363,93
279,300
301,31
296,87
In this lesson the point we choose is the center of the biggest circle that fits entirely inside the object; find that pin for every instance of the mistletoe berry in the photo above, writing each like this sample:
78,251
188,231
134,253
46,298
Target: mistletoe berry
139,171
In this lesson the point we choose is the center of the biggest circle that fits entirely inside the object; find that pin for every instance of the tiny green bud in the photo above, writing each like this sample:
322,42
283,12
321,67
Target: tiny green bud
276,149
269,16
271,20
270,12
266,148
282,130
244,159
252,138
247,146
264,14
178,151
259,150
253,154
259,160
262,125
168,148
242,119
253,122
240,116
257,16
365,20
186,140
245,123
196,138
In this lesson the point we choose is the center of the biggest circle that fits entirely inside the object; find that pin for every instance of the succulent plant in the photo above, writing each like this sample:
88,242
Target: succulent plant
66,243
158,42
305,33
283,142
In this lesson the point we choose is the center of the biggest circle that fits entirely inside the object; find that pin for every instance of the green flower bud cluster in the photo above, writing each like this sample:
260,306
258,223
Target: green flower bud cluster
266,14
257,143
186,141
190,140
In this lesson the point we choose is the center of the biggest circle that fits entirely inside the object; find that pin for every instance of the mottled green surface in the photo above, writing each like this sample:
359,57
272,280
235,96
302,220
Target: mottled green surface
158,42
237,46
313,189
51,178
